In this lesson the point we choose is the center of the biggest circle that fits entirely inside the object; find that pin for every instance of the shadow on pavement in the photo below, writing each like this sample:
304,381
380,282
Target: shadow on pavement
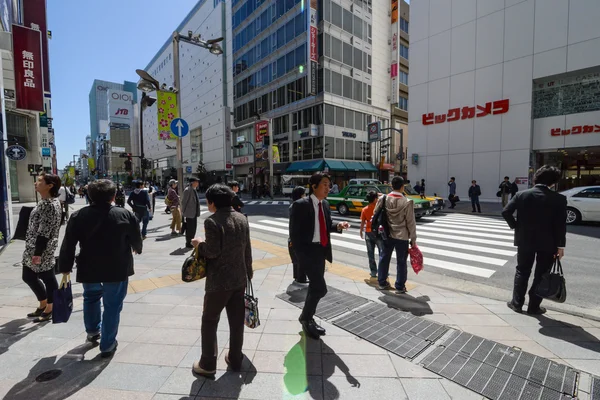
156,228
417,306
228,385
589,229
75,374
578,336
165,238
182,251
14,332
296,378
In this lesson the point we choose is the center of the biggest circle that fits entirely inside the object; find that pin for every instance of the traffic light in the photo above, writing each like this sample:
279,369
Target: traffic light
128,165
237,146
146,164
125,155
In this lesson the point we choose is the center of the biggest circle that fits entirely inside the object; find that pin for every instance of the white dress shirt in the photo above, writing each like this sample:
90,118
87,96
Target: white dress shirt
317,232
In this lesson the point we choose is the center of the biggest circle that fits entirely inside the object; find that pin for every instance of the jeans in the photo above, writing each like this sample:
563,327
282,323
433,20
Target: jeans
143,218
372,240
475,203
401,247
525,259
112,295
214,303
43,291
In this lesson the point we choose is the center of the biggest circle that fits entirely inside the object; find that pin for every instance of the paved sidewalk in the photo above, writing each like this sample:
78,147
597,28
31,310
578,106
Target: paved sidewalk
159,338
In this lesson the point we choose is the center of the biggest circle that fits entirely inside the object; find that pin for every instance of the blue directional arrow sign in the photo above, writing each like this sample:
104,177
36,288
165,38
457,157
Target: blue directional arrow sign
179,127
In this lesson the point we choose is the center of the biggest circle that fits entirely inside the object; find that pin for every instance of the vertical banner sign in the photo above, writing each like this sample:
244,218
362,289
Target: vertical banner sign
261,129
34,17
27,58
395,53
166,112
313,53
276,158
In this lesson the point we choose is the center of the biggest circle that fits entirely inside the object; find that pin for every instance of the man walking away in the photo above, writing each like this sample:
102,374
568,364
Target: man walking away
474,193
540,234
505,189
370,237
310,229
63,196
236,202
400,215
513,189
452,192
139,201
190,209
107,236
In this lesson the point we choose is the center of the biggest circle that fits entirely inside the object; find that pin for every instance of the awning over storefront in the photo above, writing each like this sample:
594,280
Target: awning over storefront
368,167
305,166
335,165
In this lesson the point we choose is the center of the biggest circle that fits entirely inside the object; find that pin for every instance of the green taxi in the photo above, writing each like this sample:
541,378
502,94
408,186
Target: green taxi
352,199
437,203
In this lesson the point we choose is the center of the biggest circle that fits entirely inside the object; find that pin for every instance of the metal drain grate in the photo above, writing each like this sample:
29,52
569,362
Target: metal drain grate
335,302
499,372
595,394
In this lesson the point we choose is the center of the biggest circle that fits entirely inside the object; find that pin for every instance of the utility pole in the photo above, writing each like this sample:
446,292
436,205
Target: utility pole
177,77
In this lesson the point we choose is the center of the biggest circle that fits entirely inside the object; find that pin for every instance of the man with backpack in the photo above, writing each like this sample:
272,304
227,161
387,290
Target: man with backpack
394,219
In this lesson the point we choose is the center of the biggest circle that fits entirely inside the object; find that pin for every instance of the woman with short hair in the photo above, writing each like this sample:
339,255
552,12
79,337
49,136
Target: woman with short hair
40,244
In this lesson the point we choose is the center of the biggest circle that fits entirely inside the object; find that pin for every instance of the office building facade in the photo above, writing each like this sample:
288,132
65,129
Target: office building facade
500,88
318,71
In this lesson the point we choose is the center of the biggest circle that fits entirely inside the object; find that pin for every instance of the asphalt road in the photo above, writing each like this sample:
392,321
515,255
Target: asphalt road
472,248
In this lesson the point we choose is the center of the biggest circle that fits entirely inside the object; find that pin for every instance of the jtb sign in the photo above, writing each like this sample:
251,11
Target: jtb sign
27,58
454,114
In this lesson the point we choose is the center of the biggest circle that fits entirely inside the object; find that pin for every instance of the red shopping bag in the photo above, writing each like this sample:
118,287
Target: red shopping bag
416,258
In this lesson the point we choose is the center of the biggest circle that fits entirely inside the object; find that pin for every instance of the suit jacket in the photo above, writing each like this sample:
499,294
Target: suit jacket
106,236
302,226
227,249
541,223
190,205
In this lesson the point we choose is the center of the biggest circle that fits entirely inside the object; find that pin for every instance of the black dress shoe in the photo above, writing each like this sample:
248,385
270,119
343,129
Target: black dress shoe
310,329
319,328
536,311
516,309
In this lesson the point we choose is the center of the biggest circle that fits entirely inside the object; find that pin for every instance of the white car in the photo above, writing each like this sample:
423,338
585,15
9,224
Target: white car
583,204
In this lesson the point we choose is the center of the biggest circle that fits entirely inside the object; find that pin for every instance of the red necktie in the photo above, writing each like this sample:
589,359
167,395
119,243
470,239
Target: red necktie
322,227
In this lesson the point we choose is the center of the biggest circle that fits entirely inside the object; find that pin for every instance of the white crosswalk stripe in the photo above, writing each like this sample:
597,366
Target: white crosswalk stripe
267,203
465,244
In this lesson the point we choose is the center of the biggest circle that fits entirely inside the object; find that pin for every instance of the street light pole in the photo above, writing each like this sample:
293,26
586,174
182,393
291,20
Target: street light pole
142,137
177,82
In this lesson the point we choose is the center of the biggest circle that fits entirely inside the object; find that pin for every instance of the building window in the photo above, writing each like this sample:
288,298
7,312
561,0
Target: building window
336,15
348,19
347,58
404,51
404,77
336,83
403,25
403,103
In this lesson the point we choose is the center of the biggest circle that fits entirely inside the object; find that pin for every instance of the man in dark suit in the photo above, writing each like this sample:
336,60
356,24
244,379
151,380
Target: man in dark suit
310,228
540,234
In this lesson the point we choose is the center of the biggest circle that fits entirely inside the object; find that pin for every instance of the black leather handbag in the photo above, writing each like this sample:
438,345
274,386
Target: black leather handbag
553,285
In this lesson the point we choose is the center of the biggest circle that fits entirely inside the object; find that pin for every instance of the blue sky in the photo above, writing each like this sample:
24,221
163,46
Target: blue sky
100,39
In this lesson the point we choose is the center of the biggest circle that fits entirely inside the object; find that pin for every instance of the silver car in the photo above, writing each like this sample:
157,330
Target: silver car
583,204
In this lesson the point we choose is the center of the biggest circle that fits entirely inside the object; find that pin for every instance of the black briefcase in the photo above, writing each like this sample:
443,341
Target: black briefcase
553,285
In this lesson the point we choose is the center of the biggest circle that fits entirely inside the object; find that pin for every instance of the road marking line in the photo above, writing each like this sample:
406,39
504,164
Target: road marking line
473,223
465,233
427,250
499,221
421,233
469,227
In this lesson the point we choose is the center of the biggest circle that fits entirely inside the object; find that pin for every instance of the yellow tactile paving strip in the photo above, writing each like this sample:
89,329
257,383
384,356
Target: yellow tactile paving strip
280,257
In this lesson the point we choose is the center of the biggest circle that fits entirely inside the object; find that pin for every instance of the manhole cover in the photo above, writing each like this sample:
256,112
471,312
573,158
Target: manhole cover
48,375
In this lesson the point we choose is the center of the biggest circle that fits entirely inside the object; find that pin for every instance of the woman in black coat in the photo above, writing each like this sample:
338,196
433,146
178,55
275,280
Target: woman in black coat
299,274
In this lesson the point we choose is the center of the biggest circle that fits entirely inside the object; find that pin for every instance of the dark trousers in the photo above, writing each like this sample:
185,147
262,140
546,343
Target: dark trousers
214,303
475,203
525,259
452,199
313,263
45,290
191,225
401,247
299,274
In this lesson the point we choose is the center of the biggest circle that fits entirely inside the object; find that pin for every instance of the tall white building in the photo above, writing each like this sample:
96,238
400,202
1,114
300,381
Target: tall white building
499,88
206,96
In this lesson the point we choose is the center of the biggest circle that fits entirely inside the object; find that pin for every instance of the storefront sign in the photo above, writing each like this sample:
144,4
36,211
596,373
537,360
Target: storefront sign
521,181
27,47
394,11
261,129
395,94
455,114
242,160
349,135
374,131
34,17
576,130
